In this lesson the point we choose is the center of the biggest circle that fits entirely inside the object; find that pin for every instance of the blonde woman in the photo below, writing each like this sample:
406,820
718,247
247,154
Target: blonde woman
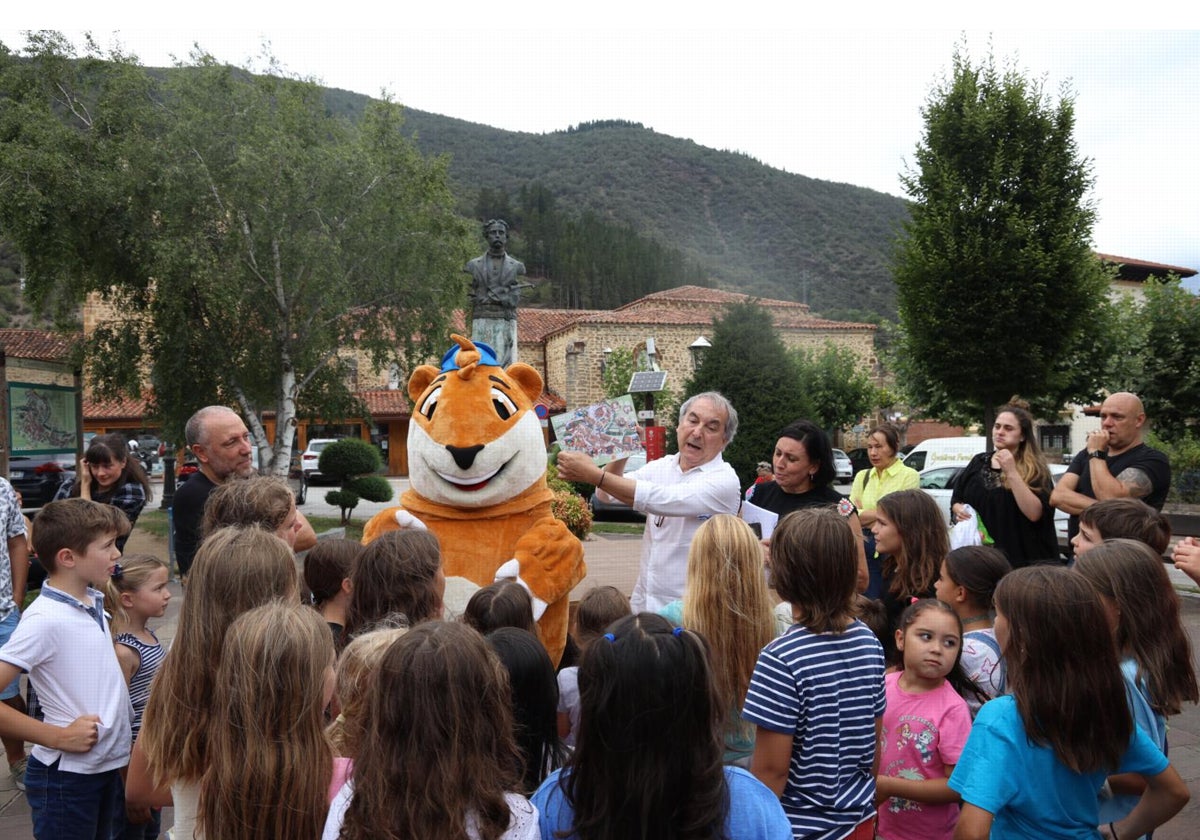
1009,490
725,600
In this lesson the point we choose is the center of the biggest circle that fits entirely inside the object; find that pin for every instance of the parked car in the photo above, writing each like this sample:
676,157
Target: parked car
310,457
859,460
844,467
38,477
604,509
944,452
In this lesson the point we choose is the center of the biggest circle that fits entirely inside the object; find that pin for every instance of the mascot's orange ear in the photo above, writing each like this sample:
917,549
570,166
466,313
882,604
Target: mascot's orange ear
420,379
527,378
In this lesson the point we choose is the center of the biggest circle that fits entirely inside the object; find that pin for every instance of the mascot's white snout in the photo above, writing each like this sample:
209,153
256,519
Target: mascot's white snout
516,459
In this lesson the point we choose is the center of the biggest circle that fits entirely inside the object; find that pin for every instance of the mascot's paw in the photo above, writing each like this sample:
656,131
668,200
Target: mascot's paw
406,520
389,519
511,570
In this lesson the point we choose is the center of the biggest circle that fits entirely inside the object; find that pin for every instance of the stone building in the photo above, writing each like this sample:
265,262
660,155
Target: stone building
565,346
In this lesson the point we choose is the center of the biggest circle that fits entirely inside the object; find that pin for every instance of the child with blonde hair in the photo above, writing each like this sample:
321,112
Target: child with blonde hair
137,591
355,680
725,600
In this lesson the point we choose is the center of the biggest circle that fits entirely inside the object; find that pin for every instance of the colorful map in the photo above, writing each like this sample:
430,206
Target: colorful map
607,430
42,418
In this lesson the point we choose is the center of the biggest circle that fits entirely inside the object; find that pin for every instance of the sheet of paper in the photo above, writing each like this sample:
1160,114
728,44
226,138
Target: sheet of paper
765,518
607,431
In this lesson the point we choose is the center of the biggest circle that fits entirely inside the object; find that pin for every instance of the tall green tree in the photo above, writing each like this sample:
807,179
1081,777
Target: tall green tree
252,242
1161,363
749,363
999,291
836,385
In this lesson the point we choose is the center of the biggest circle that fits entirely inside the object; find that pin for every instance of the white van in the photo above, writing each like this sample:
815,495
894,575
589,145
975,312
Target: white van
944,452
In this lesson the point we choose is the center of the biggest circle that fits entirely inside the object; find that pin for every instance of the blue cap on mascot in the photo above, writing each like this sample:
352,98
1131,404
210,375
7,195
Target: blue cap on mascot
487,356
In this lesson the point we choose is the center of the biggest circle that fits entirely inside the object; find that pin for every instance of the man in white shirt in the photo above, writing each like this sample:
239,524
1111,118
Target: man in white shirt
676,493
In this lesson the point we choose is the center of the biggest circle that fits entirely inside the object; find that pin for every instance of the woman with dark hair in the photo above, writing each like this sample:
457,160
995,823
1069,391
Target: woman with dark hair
534,692
804,473
1009,489
887,474
108,475
647,760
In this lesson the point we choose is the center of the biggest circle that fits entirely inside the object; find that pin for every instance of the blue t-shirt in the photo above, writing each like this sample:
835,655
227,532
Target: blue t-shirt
826,691
1029,792
754,812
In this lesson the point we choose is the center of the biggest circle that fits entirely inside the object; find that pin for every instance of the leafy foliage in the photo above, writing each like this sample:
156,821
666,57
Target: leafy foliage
246,236
572,510
1164,334
619,368
352,462
749,364
348,458
999,293
837,387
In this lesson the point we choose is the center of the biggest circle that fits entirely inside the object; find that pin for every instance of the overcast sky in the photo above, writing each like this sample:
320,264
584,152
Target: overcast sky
810,93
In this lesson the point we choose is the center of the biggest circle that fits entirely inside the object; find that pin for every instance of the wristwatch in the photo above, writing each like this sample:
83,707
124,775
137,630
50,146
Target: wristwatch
1098,453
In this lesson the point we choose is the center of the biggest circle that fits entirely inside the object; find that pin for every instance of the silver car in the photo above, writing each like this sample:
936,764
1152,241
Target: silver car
618,508
844,467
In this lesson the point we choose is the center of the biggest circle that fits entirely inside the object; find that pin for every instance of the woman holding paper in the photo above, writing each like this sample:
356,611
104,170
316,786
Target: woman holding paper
804,474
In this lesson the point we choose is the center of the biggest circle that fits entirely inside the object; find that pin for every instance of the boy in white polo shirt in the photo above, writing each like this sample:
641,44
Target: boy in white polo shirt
72,782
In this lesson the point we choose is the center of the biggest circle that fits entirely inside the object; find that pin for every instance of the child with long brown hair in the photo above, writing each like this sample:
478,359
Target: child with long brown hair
328,567
442,762
1037,757
911,534
1152,645
268,761
725,599
400,572
235,570
817,694
647,763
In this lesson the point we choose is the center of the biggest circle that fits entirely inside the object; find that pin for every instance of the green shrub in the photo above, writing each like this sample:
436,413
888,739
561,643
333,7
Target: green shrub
373,488
348,458
1184,455
571,510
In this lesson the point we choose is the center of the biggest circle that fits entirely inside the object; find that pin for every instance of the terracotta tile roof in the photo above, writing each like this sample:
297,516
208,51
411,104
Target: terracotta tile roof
553,402
1140,269
699,294
386,403
703,316
533,325
42,345
124,408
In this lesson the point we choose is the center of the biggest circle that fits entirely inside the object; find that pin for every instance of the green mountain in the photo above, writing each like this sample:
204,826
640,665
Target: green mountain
750,227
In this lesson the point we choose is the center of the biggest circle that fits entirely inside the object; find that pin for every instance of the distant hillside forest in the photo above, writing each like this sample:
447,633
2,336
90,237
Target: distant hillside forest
606,212
738,224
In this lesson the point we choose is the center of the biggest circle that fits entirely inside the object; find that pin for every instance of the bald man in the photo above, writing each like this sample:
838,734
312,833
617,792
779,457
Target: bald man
1116,464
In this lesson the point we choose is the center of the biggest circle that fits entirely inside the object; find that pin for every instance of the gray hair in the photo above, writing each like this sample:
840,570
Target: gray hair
731,417
193,432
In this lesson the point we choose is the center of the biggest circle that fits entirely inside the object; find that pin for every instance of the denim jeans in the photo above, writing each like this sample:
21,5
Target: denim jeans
74,806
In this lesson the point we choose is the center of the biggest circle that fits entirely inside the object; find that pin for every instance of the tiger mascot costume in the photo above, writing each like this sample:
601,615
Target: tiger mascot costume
477,469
